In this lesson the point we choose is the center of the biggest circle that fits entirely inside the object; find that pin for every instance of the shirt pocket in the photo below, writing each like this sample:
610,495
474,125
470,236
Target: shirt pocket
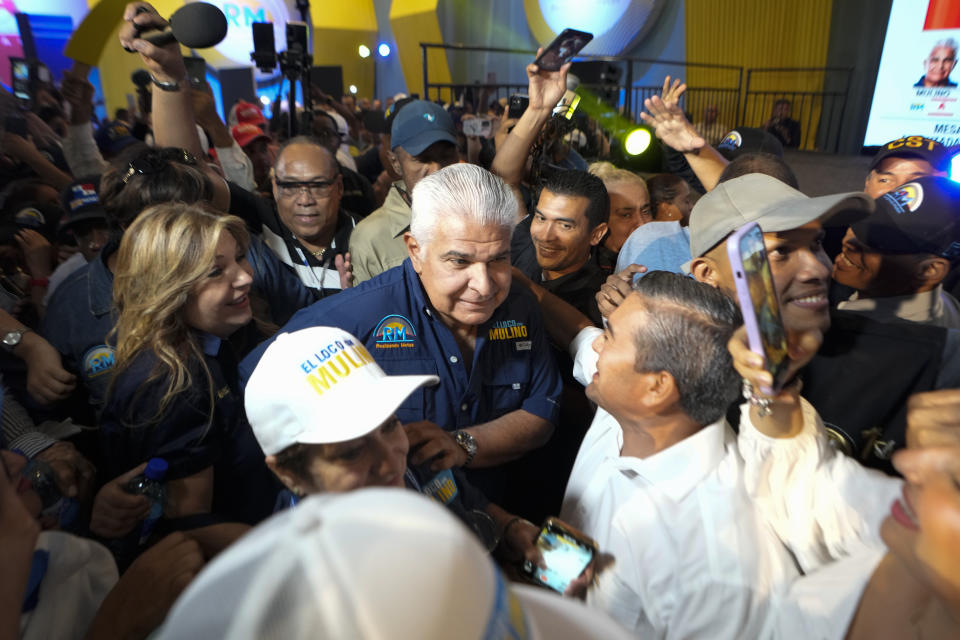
415,407
506,385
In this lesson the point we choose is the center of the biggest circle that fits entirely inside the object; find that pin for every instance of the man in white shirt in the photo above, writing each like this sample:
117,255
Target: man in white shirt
658,479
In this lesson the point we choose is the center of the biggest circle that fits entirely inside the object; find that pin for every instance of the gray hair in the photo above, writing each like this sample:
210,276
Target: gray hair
686,332
949,43
464,190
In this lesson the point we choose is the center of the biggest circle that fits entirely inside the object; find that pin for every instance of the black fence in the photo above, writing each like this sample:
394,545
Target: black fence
819,111
818,95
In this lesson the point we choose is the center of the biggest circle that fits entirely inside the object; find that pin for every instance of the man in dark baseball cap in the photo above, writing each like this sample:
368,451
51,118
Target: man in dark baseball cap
897,259
422,141
904,159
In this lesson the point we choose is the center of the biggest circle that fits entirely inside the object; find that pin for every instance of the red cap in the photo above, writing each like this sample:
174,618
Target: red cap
248,113
244,134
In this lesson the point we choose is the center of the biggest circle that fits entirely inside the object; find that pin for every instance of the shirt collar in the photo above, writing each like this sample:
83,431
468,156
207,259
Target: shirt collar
209,343
397,209
916,307
100,281
678,469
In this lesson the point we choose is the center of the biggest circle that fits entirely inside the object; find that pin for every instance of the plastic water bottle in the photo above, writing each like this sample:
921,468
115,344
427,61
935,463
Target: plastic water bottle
55,507
150,484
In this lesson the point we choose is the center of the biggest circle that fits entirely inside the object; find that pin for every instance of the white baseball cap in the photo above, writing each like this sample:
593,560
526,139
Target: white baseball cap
370,564
320,385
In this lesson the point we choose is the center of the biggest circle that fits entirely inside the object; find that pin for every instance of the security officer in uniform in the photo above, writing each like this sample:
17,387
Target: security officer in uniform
450,310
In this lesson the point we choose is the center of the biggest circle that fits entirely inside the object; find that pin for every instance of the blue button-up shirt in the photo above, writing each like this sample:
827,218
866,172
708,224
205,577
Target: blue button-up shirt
513,365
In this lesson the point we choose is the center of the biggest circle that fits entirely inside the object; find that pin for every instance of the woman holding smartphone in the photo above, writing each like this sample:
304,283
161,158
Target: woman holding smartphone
182,287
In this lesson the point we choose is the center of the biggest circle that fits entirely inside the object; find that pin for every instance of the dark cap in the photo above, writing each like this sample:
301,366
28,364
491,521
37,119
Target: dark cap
914,147
921,216
114,137
42,217
746,140
419,125
81,202
391,113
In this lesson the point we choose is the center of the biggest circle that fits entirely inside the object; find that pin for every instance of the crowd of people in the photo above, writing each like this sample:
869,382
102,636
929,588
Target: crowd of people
263,380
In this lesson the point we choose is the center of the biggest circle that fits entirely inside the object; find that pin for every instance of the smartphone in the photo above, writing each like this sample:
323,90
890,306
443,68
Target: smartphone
196,71
563,48
566,552
481,127
518,104
297,36
758,301
20,74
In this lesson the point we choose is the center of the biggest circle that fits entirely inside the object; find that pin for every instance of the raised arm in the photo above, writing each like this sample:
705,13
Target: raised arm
664,114
545,90
174,124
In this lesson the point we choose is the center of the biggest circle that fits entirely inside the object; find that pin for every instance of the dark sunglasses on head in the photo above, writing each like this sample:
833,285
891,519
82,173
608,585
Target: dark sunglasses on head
154,161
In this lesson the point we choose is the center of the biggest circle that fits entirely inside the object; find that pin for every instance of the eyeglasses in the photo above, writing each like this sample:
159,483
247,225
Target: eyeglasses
292,188
154,161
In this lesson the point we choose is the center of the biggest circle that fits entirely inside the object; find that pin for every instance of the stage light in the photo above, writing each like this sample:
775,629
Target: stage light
955,168
364,51
637,141
383,49
353,88
264,100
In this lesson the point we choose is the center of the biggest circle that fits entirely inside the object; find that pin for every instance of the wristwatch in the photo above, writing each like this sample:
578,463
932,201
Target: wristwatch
468,443
12,338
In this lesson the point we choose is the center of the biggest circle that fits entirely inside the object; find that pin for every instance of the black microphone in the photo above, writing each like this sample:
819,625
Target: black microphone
140,77
197,25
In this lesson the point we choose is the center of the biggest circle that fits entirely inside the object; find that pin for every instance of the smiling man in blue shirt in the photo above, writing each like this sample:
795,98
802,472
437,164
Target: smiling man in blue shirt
450,310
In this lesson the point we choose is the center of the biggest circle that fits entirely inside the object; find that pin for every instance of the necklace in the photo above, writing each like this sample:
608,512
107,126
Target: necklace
319,254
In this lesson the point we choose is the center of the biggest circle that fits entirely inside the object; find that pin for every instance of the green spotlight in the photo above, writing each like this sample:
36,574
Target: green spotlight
636,142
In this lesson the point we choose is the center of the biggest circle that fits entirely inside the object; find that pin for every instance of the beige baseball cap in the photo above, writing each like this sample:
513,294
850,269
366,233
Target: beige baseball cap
775,206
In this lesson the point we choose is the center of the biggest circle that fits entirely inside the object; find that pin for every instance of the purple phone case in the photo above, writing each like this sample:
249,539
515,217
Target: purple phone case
743,295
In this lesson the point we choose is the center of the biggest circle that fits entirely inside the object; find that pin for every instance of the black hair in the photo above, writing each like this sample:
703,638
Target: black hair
686,332
124,197
663,187
571,182
759,162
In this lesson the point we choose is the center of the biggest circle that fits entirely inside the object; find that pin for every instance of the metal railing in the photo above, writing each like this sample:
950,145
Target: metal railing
819,112
819,106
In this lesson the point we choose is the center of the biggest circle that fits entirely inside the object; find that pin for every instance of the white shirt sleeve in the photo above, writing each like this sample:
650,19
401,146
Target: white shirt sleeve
822,504
584,357
237,167
822,603
81,152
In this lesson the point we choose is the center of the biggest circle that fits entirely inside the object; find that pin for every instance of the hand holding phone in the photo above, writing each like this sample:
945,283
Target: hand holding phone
566,552
562,50
758,302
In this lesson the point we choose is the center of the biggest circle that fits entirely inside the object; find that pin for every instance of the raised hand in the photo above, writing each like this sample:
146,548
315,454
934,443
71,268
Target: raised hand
545,88
668,120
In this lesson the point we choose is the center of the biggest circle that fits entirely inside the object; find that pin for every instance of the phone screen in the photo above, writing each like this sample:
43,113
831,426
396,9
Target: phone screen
565,555
518,104
21,79
563,48
196,71
763,298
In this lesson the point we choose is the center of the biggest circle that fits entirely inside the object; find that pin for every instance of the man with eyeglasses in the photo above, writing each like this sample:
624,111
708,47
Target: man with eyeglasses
305,225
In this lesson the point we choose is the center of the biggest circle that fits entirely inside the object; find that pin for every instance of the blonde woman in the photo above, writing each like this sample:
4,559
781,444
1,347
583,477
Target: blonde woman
181,289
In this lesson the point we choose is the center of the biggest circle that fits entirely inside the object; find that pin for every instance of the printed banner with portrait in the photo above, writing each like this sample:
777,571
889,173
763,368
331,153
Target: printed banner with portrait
916,92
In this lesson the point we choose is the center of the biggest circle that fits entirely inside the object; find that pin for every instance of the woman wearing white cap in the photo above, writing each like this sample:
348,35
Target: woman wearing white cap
323,412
